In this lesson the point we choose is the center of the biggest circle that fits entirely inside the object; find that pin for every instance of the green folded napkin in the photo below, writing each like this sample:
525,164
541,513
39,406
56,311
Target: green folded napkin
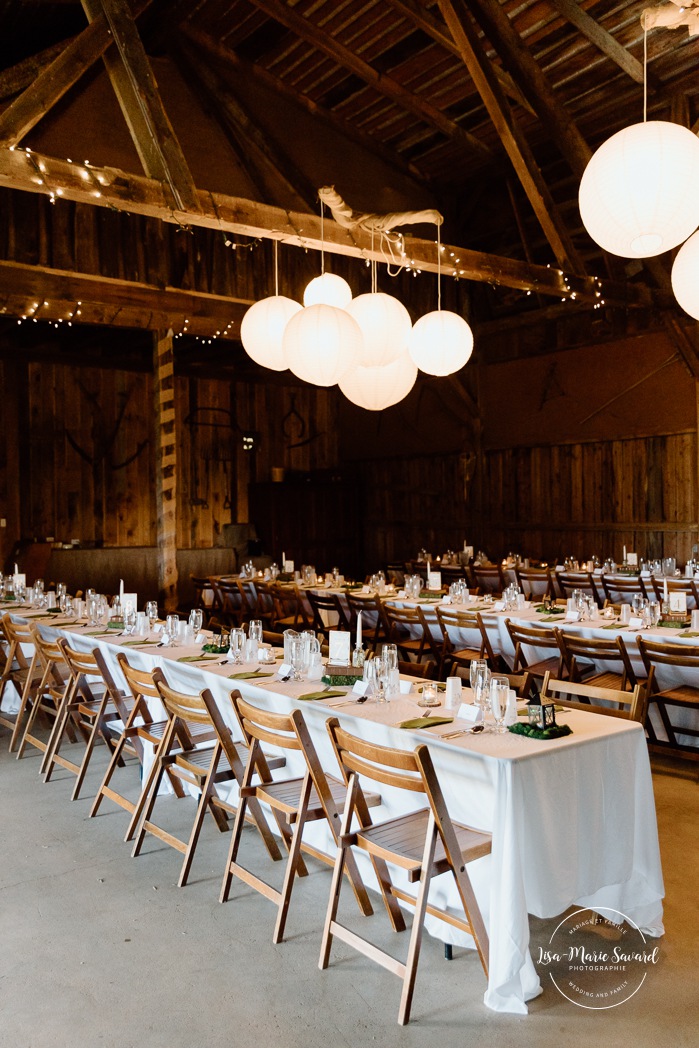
425,722
558,731
542,609
554,618
140,644
197,658
96,633
615,626
688,633
321,695
249,676
65,622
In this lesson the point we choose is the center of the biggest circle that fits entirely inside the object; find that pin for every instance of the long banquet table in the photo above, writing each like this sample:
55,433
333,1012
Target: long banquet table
573,819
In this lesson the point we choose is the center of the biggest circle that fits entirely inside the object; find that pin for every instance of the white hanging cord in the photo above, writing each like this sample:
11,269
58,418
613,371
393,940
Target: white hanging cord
439,268
322,241
276,268
645,75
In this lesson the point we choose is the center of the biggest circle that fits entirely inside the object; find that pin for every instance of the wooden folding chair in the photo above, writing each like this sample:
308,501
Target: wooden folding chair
424,843
686,586
294,802
576,695
410,629
182,755
656,656
265,608
488,579
372,635
580,580
580,654
327,606
248,599
535,583
91,701
21,669
228,600
49,692
621,589
451,656
290,610
537,637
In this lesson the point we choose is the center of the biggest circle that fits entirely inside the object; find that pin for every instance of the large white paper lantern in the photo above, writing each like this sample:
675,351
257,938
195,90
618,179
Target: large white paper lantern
377,388
321,344
685,276
328,290
441,343
638,195
385,324
262,330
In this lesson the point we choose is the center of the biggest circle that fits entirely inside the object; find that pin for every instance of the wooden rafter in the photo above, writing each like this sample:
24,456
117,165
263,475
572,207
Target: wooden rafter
276,172
604,41
54,78
137,91
457,17
385,85
422,19
224,56
110,187
22,74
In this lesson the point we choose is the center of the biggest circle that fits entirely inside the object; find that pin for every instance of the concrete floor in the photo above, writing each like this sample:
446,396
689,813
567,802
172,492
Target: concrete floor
102,950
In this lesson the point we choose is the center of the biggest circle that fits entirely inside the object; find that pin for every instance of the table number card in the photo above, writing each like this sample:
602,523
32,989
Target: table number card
129,598
339,647
678,603
632,560
434,580
288,567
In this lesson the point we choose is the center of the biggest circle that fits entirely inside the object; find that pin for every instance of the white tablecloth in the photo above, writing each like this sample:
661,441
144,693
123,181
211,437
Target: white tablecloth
573,820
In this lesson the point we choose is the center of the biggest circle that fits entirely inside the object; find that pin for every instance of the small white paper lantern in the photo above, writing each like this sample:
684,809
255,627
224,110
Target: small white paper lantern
638,195
262,330
385,324
441,343
328,290
378,388
685,276
321,344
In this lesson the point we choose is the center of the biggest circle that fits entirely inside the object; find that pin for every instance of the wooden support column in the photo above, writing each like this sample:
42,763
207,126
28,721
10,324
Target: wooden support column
165,469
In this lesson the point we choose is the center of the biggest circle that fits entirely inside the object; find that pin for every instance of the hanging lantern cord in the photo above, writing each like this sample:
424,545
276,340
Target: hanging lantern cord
439,268
322,241
645,74
276,268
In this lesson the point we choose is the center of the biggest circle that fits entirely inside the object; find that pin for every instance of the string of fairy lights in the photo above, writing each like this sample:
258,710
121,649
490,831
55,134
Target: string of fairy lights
99,181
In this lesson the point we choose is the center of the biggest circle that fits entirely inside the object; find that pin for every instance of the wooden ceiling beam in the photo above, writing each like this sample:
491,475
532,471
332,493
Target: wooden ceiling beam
280,177
137,92
458,20
63,296
110,187
602,40
54,80
383,84
517,57
422,19
24,73
370,143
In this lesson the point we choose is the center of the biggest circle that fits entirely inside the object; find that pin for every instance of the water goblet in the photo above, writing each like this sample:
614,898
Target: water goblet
479,678
172,627
499,689
129,619
296,652
255,631
152,612
196,621
236,645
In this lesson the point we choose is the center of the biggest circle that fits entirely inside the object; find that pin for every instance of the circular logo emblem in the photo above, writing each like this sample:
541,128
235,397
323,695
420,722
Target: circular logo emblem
597,960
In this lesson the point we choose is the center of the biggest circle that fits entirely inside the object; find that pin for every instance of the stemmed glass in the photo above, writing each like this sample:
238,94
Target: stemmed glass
296,657
196,621
152,612
236,643
479,678
499,690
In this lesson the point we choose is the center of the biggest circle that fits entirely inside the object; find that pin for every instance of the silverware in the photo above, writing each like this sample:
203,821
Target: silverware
475,730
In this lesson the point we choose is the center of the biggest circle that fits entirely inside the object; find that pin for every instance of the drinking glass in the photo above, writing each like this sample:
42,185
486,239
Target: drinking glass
129,619
196,621
637,602
499,689
255,632
296,651
236,644
152,612
654,611
68,608
389,655
371,676
172,626
479,676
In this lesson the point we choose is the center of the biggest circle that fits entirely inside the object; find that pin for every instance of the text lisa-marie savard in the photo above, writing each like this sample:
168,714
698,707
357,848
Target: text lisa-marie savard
617,957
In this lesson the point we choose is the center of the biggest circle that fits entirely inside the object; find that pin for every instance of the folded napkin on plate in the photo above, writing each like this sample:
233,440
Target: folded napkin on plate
65,622
615,626
197,658
96,633
688,633
425,722
553,618
322,695
140,643
558,731
249,676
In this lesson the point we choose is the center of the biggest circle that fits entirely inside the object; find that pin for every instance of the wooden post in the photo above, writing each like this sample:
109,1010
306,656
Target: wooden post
165,468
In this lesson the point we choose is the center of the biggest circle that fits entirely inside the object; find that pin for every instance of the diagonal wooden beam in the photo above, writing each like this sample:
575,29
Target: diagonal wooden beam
225,57
110,187
137,91
458,20
22,74
422,19
55,78
517,57
603,40
280,177
385,85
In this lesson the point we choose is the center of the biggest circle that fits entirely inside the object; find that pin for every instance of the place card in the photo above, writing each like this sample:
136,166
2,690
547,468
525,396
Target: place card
635,623
339,646
285,670
470,712
499,605
678,602
405,687
361,687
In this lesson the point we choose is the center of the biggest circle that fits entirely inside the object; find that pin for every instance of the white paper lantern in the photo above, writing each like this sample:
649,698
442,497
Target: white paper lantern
377,388
441,343
638,194
321,344
262,330
685,276
328,290
385,324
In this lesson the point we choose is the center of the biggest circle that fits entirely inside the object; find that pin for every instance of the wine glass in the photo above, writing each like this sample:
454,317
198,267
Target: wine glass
479,677
499,689
152,612
296,652
196,621
236,642
129,619
172,628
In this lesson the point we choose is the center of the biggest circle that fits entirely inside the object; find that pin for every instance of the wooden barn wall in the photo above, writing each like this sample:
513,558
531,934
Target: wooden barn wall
87,470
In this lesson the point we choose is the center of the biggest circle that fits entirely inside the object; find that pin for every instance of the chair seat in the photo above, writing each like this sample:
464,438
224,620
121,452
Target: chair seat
605,679
684,695
198,761
464,655
544,666
402,841
286,796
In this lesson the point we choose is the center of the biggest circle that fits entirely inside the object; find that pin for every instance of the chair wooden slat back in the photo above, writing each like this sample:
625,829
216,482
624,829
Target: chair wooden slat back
424,843
462,655
535,582
686,586
20,670
536,637
330,604
576,695
409,628
580,580
44,690
230,599
658,655
266,726
488,579
578,650
620,588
